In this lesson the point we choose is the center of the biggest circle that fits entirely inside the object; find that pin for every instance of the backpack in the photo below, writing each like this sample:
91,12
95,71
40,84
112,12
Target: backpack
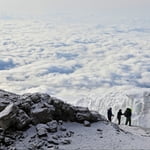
128,112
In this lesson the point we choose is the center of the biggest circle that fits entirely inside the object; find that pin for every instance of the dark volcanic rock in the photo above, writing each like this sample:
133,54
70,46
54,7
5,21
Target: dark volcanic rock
42,130
8,116
62,128
41,108
81,117
87,123
68,112
53,126
3,103
22,120
41,115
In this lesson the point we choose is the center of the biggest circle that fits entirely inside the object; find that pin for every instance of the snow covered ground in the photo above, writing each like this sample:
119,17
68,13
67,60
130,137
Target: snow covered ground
105,136
101,135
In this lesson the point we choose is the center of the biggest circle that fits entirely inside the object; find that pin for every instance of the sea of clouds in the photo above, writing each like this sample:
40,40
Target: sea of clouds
74,60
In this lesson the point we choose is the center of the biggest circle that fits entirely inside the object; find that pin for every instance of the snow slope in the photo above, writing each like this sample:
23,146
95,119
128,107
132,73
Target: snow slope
106,137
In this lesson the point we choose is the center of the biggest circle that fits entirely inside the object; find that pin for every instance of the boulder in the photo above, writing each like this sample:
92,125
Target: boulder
87,123
95,116
42,115
56,102
8,141
8,116
68,112
60,122
3,103
81,109
25,104
58,108
53,126
53,141
42,130
66,141
41,125
22,120
46,98
35,97
81,117
83,113
26,107
62,128
69,133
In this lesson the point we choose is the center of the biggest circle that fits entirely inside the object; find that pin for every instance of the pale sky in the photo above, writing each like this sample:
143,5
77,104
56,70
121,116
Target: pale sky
46,6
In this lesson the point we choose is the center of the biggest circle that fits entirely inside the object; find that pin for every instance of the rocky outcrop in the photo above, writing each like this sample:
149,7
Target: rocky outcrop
39,108
8,116
40,112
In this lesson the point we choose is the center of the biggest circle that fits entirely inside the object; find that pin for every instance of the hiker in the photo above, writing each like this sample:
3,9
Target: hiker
109,114
119,116
128,114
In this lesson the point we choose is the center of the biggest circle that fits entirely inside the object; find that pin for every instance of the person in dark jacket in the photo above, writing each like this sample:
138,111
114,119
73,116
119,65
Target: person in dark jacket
109,114
128,114
119,116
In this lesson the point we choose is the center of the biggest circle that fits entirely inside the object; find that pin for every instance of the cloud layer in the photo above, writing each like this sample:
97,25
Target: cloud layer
72,60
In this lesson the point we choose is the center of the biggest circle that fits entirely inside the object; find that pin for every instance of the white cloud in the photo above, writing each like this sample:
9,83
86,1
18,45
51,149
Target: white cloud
73,59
